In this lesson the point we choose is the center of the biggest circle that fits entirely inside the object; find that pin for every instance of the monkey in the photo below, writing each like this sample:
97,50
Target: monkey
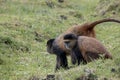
90,48
56,45
61,59
86,29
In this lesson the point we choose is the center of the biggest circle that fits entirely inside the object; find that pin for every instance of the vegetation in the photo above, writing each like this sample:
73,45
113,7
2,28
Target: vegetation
26,25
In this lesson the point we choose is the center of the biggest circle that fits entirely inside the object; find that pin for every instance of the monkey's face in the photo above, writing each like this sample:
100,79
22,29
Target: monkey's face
69,44
50,45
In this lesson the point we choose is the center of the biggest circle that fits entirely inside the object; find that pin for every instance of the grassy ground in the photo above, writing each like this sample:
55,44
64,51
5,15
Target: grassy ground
26,25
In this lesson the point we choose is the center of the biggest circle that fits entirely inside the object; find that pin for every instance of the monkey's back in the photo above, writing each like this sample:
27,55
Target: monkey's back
92,45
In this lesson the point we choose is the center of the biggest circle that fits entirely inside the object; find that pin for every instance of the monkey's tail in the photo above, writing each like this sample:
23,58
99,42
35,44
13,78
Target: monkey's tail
93,24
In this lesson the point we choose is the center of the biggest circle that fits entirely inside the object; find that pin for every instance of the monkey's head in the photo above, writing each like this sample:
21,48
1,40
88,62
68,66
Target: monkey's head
50,45
70,41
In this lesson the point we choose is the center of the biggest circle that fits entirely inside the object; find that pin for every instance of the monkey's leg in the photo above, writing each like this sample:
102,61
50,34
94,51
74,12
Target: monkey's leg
63,59
92,56
58,63
85,56
73,57
80,59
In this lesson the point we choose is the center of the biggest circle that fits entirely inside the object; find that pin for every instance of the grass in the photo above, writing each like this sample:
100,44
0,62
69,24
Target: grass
26,25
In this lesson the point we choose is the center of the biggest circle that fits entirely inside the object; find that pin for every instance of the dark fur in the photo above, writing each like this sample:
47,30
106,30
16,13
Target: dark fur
61,59
87,29
86,48
50,46
76,55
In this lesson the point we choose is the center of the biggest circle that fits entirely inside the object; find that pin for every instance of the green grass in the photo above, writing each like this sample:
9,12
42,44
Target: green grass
26,25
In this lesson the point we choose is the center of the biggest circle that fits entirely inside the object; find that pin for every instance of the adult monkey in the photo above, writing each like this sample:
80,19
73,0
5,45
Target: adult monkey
56,46
85,48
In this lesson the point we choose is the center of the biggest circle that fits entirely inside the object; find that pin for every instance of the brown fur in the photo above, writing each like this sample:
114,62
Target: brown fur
56,46
86,29
92,48
89,47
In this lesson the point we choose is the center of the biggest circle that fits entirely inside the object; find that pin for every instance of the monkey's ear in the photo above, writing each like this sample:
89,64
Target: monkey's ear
50,41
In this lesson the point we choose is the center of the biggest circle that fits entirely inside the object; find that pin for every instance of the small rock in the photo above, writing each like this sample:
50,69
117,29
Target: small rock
60,1
63,17
105,78
50,77
113,70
